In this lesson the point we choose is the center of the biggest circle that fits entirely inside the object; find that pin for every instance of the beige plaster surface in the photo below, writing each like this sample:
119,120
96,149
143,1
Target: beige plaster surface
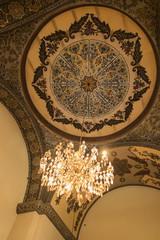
126,213
13,170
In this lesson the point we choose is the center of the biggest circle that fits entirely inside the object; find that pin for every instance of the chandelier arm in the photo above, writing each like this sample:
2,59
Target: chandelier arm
77,170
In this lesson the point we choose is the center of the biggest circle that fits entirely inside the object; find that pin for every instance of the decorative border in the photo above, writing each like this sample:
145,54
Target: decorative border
47,209
49,46
35,9
14,13
60,132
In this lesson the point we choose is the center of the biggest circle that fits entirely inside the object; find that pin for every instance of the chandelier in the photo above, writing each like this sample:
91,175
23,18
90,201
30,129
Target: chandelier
77,171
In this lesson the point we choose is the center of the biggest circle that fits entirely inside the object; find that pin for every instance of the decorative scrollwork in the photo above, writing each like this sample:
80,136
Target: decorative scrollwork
91,25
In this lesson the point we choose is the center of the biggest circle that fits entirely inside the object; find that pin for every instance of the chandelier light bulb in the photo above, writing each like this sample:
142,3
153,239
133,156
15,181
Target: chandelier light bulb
76,170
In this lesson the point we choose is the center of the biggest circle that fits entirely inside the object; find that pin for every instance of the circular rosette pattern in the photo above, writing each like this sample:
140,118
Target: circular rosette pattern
89,78
94,73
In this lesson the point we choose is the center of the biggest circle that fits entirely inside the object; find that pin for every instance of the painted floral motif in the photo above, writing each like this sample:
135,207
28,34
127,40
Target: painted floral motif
147,15
25,124
88,125
73,206
88,84
79,83
69,68
30,136
33,5
144,159
34,148
121,167
16,10
3,18
42,83
127,46
3,93
138,83
118,115
89,29
11,103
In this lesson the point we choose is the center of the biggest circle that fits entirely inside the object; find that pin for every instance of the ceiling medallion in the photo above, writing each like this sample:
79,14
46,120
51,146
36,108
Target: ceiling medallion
93,67
88,83
113,67
89,66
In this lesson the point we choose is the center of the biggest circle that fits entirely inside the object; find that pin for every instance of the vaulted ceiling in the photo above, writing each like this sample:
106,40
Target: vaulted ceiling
88,66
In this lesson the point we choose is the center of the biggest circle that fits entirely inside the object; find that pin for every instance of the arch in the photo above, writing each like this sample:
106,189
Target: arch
13,170
128,213
31,135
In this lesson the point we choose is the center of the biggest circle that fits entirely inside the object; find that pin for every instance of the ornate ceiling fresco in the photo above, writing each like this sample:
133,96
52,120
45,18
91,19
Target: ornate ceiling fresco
90,74
100,68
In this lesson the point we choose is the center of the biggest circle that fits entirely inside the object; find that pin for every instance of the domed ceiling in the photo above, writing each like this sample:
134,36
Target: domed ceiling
91,70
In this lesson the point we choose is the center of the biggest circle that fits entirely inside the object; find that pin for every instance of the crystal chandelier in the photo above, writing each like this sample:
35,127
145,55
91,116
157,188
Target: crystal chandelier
75,170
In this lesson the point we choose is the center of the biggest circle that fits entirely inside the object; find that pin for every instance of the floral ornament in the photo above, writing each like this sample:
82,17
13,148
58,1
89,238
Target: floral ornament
51,48
51,1
3,18
2,69
88,125
147,15
129,43
138,83
42,83
3,93
151,3
11,103
33,5
34,148
16,10
30,136
88,29
121,166
25,124
127,46
118,114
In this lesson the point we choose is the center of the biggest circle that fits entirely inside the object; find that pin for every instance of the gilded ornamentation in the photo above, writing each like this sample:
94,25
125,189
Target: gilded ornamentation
36,161
20,113
3,93
34,148
11,103
30,136
16,10
88,83
33,5
26,124
3,18
35,175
